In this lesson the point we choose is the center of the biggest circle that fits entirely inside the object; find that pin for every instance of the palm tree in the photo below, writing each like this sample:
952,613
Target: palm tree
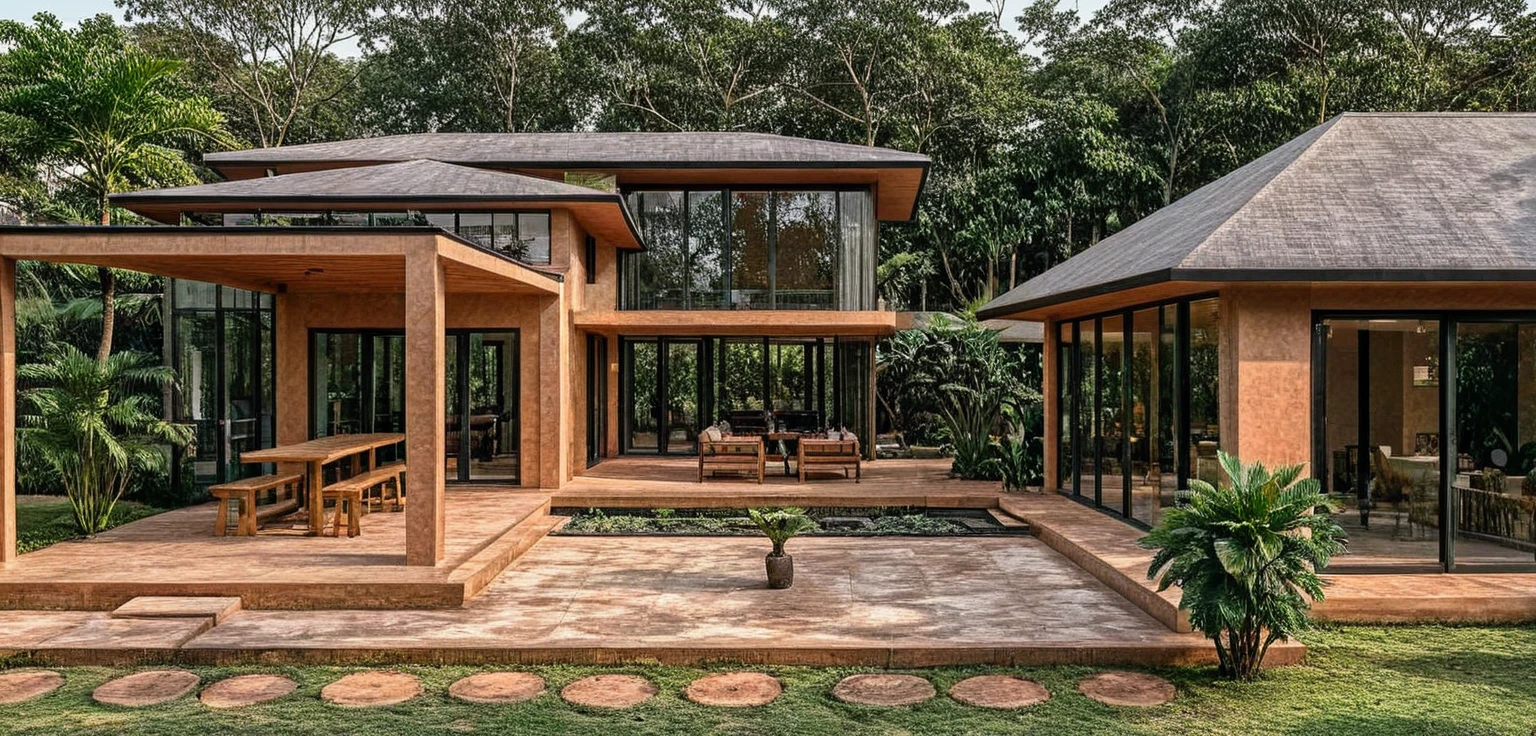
100,113
95,425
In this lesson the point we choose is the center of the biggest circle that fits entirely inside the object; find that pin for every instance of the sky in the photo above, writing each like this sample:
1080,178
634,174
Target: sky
71,11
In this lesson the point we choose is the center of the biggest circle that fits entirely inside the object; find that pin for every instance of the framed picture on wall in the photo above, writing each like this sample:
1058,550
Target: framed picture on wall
1426,443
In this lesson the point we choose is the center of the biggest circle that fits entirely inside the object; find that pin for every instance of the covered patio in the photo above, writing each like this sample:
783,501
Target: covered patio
384,278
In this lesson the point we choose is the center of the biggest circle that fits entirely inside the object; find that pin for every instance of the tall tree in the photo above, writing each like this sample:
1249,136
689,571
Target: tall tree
93,110
275,56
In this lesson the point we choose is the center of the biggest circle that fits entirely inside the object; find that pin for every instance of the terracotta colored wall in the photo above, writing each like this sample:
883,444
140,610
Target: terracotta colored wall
297,314
1266,373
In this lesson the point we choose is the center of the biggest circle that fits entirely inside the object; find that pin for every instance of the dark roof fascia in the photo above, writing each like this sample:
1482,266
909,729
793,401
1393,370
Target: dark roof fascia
1271,275
922,184
219,163
315,199
268,230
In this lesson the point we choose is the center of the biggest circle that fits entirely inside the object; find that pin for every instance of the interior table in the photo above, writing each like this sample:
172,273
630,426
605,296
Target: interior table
316,454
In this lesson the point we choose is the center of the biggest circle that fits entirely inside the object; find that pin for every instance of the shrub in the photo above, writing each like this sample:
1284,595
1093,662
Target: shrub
1246,558
94,424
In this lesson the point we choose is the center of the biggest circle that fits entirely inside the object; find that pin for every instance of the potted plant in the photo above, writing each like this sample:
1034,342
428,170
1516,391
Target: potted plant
1246,557
780,525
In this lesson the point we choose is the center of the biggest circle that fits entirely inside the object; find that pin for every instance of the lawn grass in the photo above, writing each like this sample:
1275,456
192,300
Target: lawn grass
43,521
1359,680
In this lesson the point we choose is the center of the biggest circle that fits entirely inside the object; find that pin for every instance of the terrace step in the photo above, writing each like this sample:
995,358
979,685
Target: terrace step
164,606
1008,520
490,561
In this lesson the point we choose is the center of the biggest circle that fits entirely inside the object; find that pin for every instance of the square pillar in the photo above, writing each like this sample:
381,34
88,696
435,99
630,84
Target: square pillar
555,425
1266,373
425,406
292,370
7,410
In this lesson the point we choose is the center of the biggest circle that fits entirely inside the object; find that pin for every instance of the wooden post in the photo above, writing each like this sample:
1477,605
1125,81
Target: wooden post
425,406
7,410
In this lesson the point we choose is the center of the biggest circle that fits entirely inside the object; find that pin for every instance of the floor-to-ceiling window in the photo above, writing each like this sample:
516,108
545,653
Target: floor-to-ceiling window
752,384
357,384
1425,432
221,346
752,249
1137,405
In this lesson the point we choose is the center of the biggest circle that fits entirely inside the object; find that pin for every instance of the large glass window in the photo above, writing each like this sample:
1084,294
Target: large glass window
672,387
1495,483
753,249
521,235
1123,382
805,263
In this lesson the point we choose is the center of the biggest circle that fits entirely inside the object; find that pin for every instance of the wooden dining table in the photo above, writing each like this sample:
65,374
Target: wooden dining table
316,454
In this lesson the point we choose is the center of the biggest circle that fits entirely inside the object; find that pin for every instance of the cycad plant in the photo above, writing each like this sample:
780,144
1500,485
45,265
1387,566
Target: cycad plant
781,525
95,424
1246,557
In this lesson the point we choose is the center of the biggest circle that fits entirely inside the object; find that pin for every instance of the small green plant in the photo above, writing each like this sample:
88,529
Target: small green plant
781,525
666,513
1246,557
1528,484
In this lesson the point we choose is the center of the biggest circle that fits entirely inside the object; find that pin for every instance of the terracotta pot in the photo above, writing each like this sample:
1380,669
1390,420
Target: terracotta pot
781,571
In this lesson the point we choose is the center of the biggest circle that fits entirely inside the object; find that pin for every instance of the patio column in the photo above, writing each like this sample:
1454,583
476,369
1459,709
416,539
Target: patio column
425,406
7,409
555,397
1266,373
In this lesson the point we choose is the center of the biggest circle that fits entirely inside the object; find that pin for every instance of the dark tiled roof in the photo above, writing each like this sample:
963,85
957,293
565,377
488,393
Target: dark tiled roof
1363,197
407,180
582,151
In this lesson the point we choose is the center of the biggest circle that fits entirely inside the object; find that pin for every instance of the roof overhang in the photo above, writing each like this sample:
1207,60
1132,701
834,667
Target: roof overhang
281,259
754,322
601,214
897,186
1169,283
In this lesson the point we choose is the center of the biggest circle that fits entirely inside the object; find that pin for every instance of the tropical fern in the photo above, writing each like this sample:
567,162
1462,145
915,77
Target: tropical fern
781,525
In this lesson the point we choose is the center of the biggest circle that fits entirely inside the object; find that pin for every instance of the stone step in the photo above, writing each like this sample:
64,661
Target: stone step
163,606
1006,519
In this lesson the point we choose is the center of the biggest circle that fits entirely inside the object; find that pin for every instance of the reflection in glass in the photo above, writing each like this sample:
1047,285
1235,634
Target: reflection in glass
641,357
706,250
1087,427
805,266
1112,419
1495,483
337,393
1204,390
751,220
1066,421
1144,420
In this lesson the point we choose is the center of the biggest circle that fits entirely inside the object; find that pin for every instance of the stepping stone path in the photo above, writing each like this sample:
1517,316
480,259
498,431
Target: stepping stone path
884,690
999,691
146,688
498,687
734,690
371,689
1134,689
24,685
609,691
238,692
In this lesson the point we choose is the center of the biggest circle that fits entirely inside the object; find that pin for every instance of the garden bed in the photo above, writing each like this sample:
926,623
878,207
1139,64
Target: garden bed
836,522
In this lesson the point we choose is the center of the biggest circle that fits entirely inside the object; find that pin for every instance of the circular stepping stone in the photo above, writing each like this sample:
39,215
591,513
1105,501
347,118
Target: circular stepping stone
1134,689
498,687
371,689
238,692
734,690
884,690
609,691
24,685
999,691
146,688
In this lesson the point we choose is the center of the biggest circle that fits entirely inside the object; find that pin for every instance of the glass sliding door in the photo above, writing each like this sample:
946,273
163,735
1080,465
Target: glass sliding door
1492,492
1112,413
1066,415
684,388
597,398
358,385
642,410
1381,402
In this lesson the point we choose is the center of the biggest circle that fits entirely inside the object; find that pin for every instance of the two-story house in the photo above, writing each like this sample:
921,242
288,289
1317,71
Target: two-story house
521,305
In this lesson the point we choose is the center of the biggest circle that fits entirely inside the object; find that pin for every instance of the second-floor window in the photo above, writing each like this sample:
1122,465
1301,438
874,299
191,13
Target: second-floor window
752,249
521,235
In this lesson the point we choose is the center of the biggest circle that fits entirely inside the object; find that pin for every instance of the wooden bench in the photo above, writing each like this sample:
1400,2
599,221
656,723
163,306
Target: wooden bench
834,454
244,493
351,494
738,454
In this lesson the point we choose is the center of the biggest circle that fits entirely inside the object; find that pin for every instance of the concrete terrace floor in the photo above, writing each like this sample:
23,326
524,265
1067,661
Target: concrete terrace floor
856,601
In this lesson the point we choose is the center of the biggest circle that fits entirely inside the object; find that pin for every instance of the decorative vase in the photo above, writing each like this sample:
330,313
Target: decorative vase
781,571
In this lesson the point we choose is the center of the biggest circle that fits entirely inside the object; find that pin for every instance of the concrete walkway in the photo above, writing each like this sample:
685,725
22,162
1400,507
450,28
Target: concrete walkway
865,601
